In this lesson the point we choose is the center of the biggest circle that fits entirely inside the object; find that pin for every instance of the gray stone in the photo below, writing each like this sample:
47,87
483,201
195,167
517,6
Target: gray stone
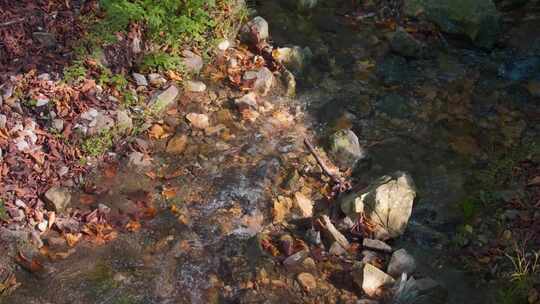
165,99
345,149
401,262
336,249
195,86
46,39
333,234
101,123
369,257
124,123
255,31
264,80
156,80
296,259
58,124
42,102
192,62
367,301
387,203
139,160
373,279
58,198
3,121
376,245
246,101
406,45
479,20
140,79
294,58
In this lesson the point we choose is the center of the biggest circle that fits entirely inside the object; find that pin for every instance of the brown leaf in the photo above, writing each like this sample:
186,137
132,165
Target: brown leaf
87,199
133,226
157,132
72,238
30,265
168,193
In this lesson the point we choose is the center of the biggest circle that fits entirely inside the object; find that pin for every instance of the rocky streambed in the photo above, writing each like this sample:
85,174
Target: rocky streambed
234,205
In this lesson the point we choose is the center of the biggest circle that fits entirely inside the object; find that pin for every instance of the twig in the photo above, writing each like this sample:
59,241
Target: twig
325,169
341,185
8,23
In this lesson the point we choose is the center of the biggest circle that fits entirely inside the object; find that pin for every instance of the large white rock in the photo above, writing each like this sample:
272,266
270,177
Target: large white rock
387,203
373,279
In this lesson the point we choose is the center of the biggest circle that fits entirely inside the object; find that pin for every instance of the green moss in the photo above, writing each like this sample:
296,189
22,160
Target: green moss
98,144
101,279
3,211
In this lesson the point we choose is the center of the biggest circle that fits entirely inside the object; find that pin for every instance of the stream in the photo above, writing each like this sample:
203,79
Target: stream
438,117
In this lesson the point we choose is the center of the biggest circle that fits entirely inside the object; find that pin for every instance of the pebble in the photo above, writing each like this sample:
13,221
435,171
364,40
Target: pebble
199,121
58,124
140,79
3,121
156,80
401,262
296,258
308,281
195,86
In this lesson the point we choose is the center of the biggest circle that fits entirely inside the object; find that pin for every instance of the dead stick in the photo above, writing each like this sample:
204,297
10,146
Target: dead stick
12,22
325,169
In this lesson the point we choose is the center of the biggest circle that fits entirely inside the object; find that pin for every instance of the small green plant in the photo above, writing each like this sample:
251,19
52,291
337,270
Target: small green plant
98,144
3,211
75,72
161,61
525,265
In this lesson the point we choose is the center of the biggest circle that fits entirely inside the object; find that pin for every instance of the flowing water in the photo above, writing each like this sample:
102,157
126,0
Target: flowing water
438,117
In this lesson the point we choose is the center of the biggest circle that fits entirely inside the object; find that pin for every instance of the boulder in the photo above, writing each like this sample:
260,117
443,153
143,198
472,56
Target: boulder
374,279
406,45
478,20
345,149
387,203
58,198
263,80
164,99
254,31
401,262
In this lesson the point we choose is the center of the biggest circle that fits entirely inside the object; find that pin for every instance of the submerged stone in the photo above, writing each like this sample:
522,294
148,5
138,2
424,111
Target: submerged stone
345,148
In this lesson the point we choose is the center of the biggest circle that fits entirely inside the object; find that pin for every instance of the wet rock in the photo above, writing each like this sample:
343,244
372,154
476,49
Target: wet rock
290,83
195,86
345,148
177,144
192,62
367,301
156,80
336,249
199,121
387,203
307,281
58,198
373,279
517,69
303,205
124,123
140,79
401,262
293,58
406,45
333,234
478,20
164,99
395,106
370,257
46,39
254,31
313,236
376,245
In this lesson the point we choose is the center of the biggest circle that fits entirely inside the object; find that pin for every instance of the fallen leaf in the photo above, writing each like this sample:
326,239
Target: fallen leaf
72,238
157,132
87,199
133,226
30,265
168,193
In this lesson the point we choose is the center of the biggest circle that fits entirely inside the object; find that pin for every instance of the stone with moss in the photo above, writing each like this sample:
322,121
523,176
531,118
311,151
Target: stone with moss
345,148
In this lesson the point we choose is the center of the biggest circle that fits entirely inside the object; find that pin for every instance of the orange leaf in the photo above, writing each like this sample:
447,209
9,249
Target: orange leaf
156,132
72,238
30,265
169,193
133,226
87,199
